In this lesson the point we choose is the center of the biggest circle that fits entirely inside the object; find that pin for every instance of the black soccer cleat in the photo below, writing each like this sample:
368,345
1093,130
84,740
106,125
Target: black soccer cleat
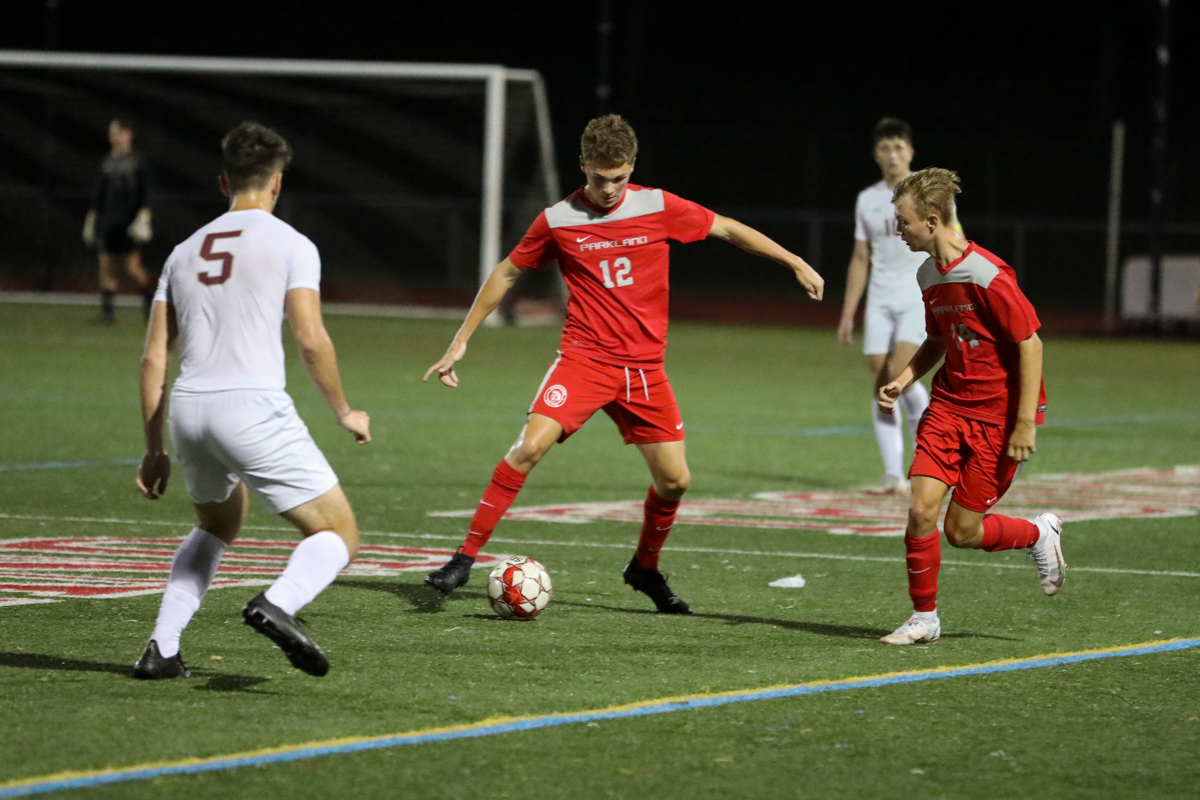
281,628
453,574
152,666
653,584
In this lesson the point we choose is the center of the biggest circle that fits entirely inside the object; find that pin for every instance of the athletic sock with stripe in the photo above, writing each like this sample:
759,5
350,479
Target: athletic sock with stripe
497,497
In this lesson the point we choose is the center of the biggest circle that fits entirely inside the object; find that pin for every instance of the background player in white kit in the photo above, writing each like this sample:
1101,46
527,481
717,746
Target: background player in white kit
223,293
894,321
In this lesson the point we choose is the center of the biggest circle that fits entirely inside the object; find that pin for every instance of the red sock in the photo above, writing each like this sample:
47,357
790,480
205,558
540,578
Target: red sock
656,527
1007,533
497,497
924,558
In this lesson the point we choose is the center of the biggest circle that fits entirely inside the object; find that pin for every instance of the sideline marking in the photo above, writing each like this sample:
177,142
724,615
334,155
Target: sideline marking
990,564
43,465
498,725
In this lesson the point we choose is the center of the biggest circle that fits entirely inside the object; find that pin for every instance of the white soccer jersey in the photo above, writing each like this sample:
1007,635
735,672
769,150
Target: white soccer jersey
227,282
893,266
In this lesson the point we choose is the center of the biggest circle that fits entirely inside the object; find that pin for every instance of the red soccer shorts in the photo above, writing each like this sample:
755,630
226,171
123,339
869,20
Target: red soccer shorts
640,401
965,453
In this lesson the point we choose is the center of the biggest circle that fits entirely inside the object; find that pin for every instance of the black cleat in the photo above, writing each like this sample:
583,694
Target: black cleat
653,584
152,666
453,574
281,628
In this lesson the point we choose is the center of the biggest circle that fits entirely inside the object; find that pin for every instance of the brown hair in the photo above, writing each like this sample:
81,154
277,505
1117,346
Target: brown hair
607,142
251,154
892,128
932,189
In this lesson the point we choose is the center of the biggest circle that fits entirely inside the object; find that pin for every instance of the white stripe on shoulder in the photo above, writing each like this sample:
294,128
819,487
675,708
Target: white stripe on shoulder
637,203
973,269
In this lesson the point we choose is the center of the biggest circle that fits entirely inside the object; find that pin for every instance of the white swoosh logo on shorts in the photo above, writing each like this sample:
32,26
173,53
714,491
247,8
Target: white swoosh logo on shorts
584,238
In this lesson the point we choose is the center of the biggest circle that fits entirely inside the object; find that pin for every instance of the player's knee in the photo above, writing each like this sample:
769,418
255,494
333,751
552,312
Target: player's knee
923,516
673,487
525,455
963,534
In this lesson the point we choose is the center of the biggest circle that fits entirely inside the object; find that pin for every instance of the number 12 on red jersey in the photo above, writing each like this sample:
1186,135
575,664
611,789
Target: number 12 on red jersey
622,266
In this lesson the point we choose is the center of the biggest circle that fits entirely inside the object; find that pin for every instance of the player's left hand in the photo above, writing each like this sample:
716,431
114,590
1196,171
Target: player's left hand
813,283
153,474
140,230
1021,443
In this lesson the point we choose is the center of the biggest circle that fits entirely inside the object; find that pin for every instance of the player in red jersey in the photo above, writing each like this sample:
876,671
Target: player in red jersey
987,401
610,239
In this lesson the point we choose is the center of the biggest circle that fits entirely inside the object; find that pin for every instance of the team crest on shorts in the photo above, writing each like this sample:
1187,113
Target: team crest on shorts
556,395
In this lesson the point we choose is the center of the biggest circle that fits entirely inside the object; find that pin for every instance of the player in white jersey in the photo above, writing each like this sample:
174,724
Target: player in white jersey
894,321
223,295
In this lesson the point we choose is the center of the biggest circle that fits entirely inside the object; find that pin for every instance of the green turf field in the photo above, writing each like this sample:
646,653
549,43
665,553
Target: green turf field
768,410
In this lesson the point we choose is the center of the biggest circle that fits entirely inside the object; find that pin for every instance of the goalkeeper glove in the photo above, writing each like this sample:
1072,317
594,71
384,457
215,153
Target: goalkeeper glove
140,231
89,229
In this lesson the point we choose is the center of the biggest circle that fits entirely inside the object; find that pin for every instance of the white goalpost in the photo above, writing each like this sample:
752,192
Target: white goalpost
434,106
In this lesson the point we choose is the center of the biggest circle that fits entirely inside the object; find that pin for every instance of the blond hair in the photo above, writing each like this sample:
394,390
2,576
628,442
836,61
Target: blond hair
932,189
607,142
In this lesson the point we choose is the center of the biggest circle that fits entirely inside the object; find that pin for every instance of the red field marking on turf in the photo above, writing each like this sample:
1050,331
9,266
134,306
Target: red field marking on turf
51,569
1075,497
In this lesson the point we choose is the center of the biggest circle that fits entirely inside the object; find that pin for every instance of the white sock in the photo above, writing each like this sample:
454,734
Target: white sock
192,570
925,616
914,402
890,439
314,564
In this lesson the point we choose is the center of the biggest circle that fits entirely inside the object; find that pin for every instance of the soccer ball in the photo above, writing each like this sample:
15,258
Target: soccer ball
519,588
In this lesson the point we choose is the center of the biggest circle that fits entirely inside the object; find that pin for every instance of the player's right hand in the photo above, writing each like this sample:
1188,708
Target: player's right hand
846,330
153,474
445,365
888,395
358,423
89,229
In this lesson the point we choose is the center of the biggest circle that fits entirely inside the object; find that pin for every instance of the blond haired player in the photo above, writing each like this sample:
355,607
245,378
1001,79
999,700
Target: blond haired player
223,295
894,320
988,399
611,240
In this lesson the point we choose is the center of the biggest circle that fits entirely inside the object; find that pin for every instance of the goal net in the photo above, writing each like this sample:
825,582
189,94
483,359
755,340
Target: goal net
412,179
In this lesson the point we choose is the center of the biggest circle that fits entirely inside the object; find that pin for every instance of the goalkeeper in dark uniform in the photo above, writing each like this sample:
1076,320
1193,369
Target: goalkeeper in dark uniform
118,223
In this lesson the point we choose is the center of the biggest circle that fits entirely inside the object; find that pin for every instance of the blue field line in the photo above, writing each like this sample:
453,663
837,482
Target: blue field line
41,465
78,780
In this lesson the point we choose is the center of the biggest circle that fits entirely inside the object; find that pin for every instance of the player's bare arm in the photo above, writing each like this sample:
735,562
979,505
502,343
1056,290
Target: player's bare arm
759,244
1021,444
303,309
856,284
928,355
155,469
486,301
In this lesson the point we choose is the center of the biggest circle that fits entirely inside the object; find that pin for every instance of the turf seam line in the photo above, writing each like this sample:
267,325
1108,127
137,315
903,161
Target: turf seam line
491,727
990,564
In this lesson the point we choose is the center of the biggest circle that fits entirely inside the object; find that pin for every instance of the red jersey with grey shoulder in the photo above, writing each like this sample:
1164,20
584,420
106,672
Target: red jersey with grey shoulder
975,305
615,262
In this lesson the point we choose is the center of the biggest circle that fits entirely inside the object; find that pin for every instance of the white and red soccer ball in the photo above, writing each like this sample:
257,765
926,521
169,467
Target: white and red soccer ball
519,588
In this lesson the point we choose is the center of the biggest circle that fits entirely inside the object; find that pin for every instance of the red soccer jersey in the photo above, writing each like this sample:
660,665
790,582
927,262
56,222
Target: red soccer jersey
975,305
615,263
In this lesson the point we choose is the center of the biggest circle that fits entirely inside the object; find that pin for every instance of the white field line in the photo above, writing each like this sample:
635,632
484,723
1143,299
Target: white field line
622,546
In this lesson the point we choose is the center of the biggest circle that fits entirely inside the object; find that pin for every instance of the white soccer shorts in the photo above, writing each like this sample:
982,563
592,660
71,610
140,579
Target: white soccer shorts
247,435
883,326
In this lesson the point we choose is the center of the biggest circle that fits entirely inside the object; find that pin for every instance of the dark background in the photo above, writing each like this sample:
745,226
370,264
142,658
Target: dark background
764,110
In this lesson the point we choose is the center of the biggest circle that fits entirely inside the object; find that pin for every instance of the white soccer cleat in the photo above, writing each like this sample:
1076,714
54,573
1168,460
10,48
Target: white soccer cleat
919,629
890,484
1047,553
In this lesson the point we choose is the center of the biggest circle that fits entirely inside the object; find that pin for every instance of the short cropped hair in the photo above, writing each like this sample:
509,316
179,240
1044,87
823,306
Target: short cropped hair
252,153
607,142
892,128
932,189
